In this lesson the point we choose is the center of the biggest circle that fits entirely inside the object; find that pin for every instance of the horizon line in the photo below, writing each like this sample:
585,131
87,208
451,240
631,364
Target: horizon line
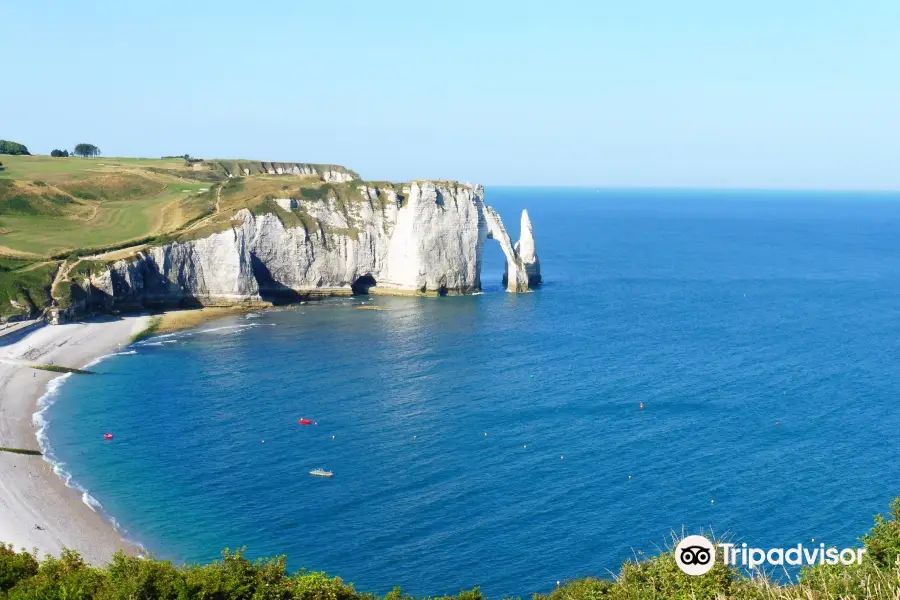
694,188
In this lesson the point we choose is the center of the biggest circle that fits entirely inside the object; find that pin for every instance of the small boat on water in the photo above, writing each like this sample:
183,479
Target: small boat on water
321,473
305,422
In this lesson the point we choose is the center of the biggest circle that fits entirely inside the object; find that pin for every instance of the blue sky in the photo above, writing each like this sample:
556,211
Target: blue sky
775,94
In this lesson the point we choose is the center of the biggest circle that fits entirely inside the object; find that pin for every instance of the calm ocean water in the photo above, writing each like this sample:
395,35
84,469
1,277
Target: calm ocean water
496,440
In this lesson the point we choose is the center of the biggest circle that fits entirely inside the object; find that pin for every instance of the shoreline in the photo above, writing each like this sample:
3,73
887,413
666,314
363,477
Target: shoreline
34,491
188,318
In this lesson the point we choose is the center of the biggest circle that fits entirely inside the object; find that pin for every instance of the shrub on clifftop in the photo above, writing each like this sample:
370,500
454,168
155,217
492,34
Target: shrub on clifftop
15,567
7,147
87,150
883,541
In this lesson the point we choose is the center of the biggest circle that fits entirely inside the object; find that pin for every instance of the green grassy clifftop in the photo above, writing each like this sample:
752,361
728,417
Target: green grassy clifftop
55,211
52,206
63,218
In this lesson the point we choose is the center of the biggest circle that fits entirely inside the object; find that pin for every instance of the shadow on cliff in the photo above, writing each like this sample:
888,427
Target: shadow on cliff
269,289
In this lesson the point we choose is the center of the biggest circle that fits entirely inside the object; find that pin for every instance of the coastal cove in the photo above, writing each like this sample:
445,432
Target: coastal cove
496,439
42,507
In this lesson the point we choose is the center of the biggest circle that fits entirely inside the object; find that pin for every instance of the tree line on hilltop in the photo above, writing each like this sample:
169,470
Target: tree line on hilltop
7,147
15,148
83,150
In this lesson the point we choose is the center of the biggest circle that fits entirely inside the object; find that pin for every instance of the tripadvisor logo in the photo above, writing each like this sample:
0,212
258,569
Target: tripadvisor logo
696,555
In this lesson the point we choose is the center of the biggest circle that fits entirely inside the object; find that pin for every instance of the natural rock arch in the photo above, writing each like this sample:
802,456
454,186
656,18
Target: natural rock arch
523,269
362,284
427,238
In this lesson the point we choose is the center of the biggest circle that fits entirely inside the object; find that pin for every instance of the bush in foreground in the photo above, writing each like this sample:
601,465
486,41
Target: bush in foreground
234,577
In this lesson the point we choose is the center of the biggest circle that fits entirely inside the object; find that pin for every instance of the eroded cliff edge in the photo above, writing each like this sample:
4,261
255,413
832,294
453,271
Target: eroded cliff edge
426,237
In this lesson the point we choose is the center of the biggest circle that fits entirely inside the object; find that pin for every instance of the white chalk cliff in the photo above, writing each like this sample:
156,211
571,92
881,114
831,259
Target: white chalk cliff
428,242
525,251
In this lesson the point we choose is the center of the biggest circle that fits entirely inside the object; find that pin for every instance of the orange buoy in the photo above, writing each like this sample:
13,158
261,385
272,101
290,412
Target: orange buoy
305,422
107,436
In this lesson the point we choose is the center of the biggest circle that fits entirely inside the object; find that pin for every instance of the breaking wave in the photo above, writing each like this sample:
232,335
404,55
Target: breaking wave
232,328
100,359
41,422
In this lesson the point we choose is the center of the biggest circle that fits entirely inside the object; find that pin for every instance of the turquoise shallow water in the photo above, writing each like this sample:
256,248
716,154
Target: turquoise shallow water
760,330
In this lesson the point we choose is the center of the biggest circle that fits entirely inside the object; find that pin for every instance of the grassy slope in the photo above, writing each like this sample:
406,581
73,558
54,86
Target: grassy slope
50,205
26,283
54,208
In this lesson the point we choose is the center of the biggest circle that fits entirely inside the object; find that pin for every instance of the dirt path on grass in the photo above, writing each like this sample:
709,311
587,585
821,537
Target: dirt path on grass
62,274
206,219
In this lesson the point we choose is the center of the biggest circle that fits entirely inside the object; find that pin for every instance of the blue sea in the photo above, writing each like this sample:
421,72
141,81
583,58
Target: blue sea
498,440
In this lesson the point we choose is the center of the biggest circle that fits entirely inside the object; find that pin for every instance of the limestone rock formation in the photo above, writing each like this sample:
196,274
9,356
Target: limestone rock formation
243,168
427,240
526,252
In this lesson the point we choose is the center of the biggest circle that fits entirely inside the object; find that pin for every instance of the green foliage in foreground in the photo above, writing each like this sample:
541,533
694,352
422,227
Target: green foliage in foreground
23,577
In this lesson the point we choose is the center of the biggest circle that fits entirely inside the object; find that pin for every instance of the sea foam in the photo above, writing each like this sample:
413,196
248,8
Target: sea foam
41,422
230,328
100,359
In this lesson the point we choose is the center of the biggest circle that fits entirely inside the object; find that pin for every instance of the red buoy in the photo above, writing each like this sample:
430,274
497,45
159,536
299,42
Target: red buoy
305,422
107,436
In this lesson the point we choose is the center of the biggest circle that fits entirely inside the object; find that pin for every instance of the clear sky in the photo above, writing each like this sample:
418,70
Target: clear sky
706,93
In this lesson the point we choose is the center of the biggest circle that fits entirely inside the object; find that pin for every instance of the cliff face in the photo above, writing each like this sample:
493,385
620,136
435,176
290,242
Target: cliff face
527,254
427,241
244,168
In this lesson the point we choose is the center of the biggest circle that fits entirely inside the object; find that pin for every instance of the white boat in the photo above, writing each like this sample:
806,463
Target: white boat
321,473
